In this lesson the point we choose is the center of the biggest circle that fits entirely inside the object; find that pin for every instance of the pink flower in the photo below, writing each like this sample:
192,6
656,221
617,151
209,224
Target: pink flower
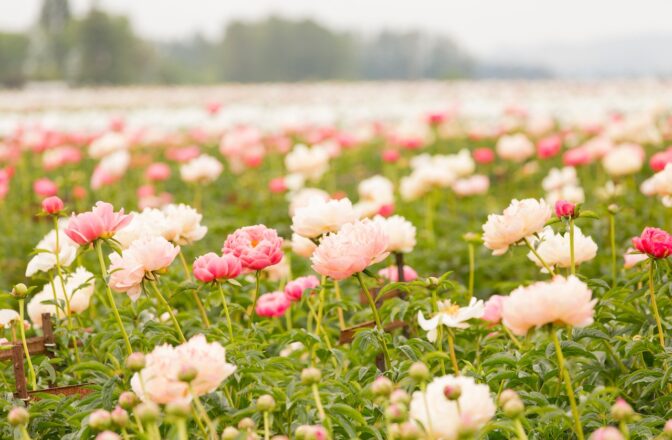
52,205
493,309
100,222
659,160
576,157
549,146
271,305
351,250
607,433
654,242
295,288
563,208
211,267
483,155
391,156
257,246
386,210
392,273
78,192
158,172
277,185
45,187
631,258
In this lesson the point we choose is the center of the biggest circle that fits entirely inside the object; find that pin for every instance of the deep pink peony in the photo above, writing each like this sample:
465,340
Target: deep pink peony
271,305
211,267
483,155
563,208
100,222
295,288
660,159
257,246
654,242
577,156
549,146
52,205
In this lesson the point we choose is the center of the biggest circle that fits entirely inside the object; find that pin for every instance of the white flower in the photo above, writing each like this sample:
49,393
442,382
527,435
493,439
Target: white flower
202,169
460,164
559,178
303,196
519,220
79,287
376,189
319,217
149,223
661,182
400,233
303,246
412,187
610,190
443,418
570,193
110,168
45,259
8,317
515,147
554,249
451,315
107,144
311,163
471,186
624,160
183,224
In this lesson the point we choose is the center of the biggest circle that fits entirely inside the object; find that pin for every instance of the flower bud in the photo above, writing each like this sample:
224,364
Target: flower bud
119,417
452,392
613,209
400,396
52,205
565,209
382,386
432,282
279,437
472,237
128,400
266,403
302,432
147,412
108,435
100,420
396,413
310,376
135,362
18,416
621,410
230,433
419,372
179,410
187,374
667,429
247,424
513,408
20,291
506,395
408,431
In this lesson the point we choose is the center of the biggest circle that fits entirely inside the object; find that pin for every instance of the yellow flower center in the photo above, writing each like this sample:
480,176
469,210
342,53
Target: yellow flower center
451,309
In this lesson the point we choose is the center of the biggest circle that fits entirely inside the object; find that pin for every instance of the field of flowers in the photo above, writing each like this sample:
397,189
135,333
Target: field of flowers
423,261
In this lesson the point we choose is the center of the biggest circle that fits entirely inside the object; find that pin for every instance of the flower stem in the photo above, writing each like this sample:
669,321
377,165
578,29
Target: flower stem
572,264
22,332
204,414
68,310
197,299
520,431
24,433
267,430
451,349
339,310
169,309
182,429
654,306
376,317
226,310
472,265
568,385
110,297
257,289
612,242
513,338
320,408
541,260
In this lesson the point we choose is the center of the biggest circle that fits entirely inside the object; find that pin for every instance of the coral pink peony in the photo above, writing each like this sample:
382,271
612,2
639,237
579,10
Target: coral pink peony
631,258
576,157
391,156
45,187
654,242
100,222
257,246
392,273
493,309
483,155
549,146
519,220
52,205
295,288
211,267
277,185
351,250
563,208
271,305
158,172
660,159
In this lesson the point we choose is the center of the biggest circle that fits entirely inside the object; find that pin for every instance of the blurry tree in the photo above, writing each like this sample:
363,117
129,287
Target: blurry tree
51,42
13,53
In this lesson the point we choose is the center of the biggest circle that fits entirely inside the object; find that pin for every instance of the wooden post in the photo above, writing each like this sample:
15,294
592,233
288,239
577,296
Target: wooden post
19,373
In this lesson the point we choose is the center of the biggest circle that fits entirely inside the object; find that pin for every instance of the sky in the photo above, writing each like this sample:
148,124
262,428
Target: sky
482,26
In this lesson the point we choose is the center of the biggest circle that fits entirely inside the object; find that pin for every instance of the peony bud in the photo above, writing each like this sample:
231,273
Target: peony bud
419,372
396,413
513,407
452,392
135,362
565,209
100,420
266,403
400,396
20,291
147,412
382,386
621,410
187,374
52,205
108,435
119,417
507,395
18,416
179,410
409,431
230,433
302,432
128,400
247,424
432,282
310,376
667,429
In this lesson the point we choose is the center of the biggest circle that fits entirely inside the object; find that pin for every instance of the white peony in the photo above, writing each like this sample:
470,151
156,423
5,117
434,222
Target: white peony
202,169
45,259
319,217
519,220
515,147
554,248
311,163
183,224
400,233
451,315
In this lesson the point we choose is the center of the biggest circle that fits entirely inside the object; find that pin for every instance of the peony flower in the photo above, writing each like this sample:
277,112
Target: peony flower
554,249
149,223
561,300
483,155
443,418
302,246
79,288
311,163
563,208
107,144
515,147
624,160
271,305
492,311
110,169
295,288
351,250
8,317
392,273
450,315
376,189
45,187
654,242
519,220
303,196
631,258
212,267
319,217
400,233
549,146
607,433
202,170
209,359
52,205
559,178
100,222
183,224
157,172
471,186
45,259
257,246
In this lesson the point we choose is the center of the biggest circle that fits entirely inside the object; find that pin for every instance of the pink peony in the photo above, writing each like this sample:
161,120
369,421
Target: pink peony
295,288
158,172
52,205
100,222
563,208
391,156
351,250
277,185
654,242
607,433
576,157
257,246
493,309
392,273
660,159
549,146
483,155
271,305
45,187
211,267
631,258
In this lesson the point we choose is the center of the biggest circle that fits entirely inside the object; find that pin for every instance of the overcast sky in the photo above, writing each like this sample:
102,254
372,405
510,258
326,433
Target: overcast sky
482,26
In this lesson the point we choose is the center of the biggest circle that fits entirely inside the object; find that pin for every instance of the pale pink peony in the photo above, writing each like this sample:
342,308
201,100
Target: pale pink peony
493,309
561,300
154,253
257,246
100,222
158,172
126,274
211,267
392,273
351,250
272,304
654,242
209,359
631,258
295,288
607,433
519,220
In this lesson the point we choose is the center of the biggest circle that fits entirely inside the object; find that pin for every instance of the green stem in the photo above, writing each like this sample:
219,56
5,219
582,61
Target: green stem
612,242
204,414
439,335
520,431
654,306
22,332
226,311
24,433
512,337
322,415
376,317
451,350
169,309
194,294
267,429
568,385
472,266
541,260
110,297
257,288
339,310
572,264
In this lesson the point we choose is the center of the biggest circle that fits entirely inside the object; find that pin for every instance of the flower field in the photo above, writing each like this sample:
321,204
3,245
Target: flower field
332,261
